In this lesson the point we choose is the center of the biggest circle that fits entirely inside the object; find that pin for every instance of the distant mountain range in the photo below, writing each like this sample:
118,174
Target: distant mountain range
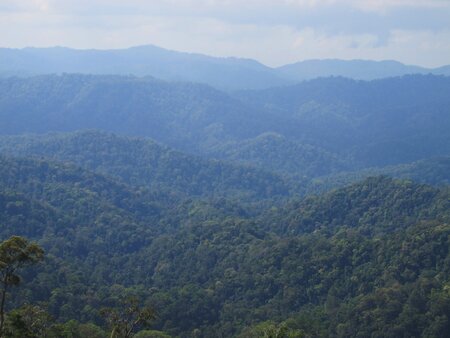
223,73
354,69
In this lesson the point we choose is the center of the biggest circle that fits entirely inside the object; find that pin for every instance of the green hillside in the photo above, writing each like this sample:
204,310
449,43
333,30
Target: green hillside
144,163
320,209
371,257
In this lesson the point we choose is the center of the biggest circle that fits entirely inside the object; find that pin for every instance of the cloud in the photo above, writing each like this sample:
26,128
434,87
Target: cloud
384,5
210,7
273,31
411,47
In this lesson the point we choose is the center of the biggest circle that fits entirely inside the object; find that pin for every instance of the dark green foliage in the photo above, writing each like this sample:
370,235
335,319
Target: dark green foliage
369,258
28,322
125,319
74,329
378,204
77,194
433,171
150,334
271,330
15,254
212,246
277,153
144,163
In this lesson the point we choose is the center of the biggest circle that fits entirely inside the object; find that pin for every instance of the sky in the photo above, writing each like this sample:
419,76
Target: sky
274,32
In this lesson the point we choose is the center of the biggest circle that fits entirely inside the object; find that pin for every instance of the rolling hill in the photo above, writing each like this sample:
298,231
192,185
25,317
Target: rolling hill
378,247
324,125
223,73
144,163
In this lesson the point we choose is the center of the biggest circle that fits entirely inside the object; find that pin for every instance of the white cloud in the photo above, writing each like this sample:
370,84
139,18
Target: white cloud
385,5
425,48
200,26
209,6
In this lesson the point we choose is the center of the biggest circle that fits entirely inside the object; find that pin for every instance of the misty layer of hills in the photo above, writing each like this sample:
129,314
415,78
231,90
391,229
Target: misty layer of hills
313,128
305,209
224,73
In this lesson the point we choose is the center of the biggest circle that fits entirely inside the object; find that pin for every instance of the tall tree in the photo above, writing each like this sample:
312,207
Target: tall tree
15,253
29,321
124,321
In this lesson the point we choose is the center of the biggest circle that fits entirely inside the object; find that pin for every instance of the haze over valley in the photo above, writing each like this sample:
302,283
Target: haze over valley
178,192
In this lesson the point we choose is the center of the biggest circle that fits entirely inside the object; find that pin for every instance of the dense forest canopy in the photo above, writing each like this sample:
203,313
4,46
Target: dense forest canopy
315,209
316,127
142,162
199,264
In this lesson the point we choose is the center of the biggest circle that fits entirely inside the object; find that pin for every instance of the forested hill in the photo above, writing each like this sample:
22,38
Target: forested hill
278,153
244,204
197,202
184,115
80,194
368,258
321,127
375,205
144,163
375,123
434,171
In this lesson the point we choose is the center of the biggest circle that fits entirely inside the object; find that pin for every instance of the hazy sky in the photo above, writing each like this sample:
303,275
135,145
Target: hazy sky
274,32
